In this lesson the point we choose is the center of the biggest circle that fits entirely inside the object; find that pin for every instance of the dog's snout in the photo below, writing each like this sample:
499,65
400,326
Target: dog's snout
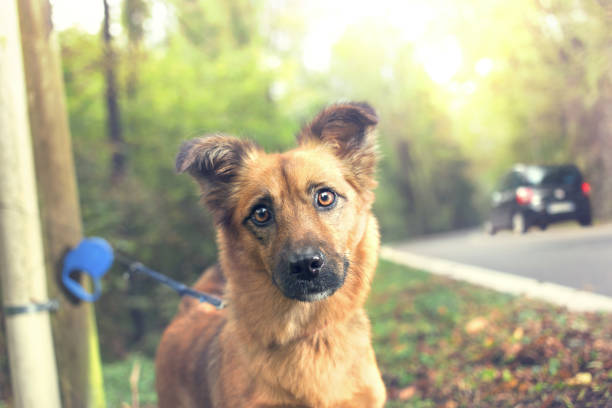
307,263
308,272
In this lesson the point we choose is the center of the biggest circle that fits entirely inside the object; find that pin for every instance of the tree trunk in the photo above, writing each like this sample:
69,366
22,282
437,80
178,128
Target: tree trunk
113,116
74,323
135,13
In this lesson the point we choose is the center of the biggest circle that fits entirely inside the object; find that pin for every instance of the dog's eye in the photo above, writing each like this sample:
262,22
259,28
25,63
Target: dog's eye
325,198
261,215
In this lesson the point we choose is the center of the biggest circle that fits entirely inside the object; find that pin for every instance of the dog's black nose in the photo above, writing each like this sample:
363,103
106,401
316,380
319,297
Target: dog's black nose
307,263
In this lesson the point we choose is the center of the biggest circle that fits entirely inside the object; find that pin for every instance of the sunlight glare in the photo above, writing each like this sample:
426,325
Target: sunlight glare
318,44
331,19
87,15
441,59
484,66
84,14
411,19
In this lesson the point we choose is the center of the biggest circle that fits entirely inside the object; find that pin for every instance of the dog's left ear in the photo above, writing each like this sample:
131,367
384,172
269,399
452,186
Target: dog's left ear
347,129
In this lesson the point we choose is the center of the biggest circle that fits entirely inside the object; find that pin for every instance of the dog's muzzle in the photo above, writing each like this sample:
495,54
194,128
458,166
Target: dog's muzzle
308,274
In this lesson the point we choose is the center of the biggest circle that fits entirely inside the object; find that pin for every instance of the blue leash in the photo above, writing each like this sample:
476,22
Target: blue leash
180,288
94,256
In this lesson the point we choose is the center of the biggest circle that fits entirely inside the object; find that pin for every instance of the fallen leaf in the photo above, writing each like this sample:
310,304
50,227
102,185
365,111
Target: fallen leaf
399,347
518,333
476,325
546,403
564,373
511,384
580,379
511,350
406,393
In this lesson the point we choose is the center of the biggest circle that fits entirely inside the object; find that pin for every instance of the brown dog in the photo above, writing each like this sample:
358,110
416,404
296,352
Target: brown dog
298,248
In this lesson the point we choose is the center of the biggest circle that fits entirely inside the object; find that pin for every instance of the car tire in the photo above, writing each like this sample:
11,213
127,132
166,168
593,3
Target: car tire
543,226
519,223
490,228
586,220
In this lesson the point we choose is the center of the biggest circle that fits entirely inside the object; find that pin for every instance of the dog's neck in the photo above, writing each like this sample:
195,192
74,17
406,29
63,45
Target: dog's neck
288,321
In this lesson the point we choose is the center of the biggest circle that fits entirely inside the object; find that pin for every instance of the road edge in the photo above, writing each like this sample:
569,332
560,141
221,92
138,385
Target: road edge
573,299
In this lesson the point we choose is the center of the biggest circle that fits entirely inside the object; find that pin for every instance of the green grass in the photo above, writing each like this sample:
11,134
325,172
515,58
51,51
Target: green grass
445,343
409,308
117,381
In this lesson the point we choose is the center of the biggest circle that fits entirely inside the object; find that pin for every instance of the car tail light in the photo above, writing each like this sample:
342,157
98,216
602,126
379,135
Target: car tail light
524,195
586,188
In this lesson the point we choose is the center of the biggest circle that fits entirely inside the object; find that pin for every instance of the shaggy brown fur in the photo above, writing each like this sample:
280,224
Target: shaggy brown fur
279,342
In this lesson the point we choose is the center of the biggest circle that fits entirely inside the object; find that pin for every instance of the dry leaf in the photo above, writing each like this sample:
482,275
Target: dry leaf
511,350
476,325
406,393
518,333
580,379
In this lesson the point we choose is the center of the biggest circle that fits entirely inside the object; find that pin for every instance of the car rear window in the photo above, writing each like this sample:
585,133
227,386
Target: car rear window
565,175
542,176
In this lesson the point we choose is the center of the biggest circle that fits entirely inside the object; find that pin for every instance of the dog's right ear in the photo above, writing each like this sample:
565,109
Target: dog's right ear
214,161
347,128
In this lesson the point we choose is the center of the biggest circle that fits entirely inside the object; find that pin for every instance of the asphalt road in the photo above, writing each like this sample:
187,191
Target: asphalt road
566,254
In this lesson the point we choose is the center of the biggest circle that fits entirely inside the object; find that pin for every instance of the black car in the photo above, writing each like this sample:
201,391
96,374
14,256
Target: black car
540,195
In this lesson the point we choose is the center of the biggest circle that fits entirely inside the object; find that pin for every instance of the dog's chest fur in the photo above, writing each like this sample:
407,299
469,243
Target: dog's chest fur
310,371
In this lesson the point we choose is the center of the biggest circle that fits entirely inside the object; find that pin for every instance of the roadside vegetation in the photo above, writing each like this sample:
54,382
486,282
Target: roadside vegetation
443,343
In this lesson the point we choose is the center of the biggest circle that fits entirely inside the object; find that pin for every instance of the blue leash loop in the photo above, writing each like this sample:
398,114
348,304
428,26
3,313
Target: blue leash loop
95,256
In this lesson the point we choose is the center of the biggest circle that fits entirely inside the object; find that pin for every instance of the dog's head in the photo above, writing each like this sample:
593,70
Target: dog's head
295,217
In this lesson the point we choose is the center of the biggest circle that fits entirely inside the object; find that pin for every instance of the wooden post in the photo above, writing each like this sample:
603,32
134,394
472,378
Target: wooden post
30,346
74,326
